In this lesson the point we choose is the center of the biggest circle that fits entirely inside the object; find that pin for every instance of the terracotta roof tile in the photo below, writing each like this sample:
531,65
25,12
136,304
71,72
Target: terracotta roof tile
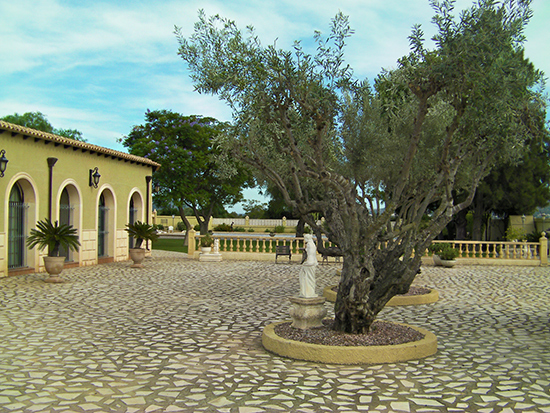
6,126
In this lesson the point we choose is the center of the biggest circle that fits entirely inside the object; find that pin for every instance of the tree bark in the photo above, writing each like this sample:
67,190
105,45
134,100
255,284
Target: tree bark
300,228
478,218
367,284
187,225
460,225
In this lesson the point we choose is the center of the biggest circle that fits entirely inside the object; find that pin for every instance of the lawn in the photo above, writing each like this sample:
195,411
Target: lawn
168,244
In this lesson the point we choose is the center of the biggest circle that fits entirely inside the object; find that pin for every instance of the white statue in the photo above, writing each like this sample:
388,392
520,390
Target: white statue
216,248
307,271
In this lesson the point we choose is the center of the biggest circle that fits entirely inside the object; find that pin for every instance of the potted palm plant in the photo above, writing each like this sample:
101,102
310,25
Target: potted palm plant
140,231
53,236
206,243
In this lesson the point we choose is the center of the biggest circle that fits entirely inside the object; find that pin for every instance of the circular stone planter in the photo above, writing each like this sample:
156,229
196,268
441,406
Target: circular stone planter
429,298
350,354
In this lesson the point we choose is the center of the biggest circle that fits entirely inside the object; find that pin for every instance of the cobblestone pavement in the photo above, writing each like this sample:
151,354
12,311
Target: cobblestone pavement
185,336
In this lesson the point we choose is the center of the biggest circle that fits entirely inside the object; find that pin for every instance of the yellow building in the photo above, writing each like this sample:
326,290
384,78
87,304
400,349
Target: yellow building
94,189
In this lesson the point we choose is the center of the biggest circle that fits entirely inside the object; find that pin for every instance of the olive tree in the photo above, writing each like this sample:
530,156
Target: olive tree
379,163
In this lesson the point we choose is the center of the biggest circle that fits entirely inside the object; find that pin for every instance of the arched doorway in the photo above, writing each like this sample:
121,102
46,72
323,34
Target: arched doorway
17,224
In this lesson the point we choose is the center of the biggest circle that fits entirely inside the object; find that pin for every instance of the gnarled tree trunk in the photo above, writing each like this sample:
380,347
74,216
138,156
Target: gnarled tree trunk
366,285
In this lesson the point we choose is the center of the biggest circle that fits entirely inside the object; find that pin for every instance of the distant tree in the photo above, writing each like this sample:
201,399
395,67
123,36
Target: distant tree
71,134
189,176
38,121
373,161
255,209
512,188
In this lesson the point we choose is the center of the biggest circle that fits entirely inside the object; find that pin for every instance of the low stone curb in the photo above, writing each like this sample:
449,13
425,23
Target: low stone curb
429,298
350,354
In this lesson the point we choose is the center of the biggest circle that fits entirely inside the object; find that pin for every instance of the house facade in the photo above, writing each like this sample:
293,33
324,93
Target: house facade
96,190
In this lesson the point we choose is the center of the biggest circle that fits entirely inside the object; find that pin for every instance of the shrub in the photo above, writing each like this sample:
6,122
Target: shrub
207,241
223,227
279,229
533,236
180,226
239,229
448,254
445,251
515,234
197,227
250,229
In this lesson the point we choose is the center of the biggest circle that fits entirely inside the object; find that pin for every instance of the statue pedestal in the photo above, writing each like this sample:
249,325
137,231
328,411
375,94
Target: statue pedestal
210,256
307,312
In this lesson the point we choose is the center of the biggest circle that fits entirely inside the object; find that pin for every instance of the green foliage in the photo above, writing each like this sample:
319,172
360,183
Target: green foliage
515,234
190,176
255,209
239,229
206,240
197,227
141,231
448,254
361,156
279,229
159,226
53,236
222,227
444,250
180,226
38,121
533,236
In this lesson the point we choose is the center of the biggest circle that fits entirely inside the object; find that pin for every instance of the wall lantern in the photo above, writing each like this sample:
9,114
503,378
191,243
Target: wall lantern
3,163
94,177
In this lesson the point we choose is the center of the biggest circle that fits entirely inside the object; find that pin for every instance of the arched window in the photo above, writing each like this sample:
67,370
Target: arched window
102,228
17,228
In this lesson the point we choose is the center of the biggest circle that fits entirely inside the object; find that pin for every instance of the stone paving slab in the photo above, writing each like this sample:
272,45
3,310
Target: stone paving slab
185,336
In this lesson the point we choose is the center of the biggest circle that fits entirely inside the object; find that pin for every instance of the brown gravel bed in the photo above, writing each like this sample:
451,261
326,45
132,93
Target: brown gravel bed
412,291
381,333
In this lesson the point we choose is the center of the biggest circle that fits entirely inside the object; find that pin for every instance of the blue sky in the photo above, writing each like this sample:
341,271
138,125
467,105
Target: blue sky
97,66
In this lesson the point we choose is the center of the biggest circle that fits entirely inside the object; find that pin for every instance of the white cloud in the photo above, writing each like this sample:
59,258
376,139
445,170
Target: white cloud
97,66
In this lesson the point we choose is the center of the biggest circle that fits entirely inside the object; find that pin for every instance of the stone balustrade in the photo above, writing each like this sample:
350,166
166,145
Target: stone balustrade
261,247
